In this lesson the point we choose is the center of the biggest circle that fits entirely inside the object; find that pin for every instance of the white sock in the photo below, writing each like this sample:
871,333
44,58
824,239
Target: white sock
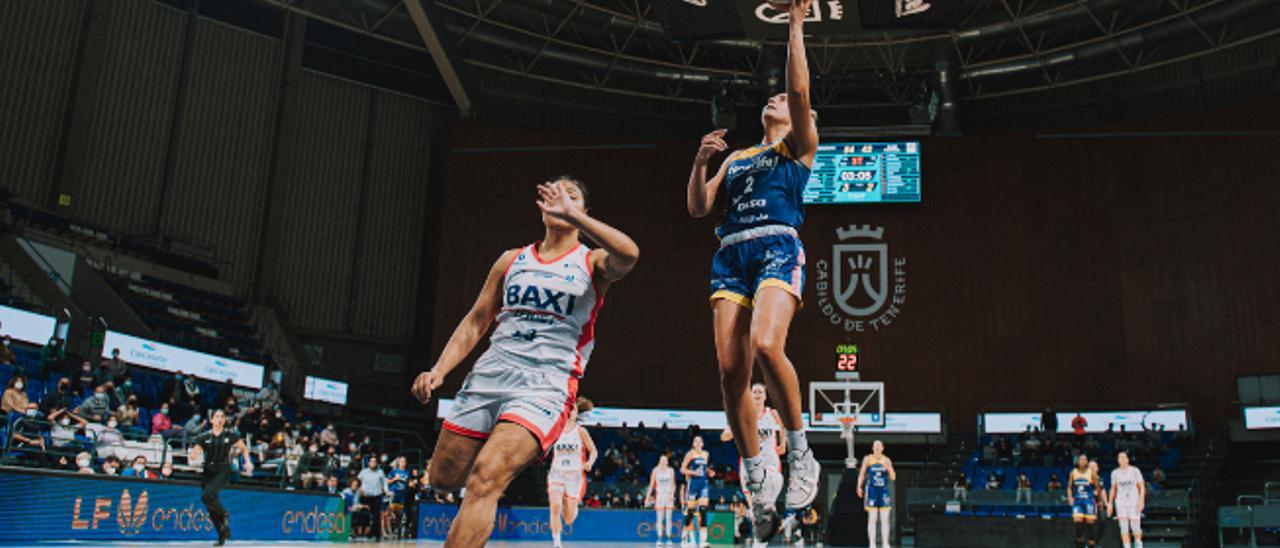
555,537
1126,543
703,533
755,468
797,443
1138,543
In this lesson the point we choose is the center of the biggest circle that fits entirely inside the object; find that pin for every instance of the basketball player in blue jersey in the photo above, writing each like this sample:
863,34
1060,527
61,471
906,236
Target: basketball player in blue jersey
757,275
1082,487
542,300
696,469
873,488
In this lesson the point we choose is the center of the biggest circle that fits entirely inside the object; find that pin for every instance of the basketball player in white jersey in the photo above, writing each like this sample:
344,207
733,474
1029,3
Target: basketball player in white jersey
542,300
661,494
1128,498
772,443
567,480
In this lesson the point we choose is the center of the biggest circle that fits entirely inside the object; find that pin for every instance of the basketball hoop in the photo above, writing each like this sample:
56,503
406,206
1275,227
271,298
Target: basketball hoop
847,424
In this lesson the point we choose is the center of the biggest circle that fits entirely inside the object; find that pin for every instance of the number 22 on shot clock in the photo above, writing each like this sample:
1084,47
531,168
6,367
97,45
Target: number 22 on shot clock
846,357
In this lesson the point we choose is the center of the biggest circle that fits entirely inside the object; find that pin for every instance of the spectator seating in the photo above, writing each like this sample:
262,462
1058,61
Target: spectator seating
191,317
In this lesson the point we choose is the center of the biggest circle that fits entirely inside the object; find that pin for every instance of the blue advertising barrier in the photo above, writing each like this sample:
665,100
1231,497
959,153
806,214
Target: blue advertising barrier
47,505
532,523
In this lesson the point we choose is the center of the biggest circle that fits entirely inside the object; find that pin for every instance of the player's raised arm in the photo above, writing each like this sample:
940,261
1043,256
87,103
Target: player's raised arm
702,192
469,331
618,253
804,132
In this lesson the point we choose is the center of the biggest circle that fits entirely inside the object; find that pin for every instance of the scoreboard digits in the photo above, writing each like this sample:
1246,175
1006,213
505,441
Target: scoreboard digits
864,172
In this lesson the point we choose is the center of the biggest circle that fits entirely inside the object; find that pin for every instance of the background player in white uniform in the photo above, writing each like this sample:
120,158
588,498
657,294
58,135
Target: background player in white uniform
1128,498
873,487
661,494
769,430
515,402
567,479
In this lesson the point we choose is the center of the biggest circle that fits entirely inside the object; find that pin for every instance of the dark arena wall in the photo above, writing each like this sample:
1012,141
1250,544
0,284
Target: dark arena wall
1062,269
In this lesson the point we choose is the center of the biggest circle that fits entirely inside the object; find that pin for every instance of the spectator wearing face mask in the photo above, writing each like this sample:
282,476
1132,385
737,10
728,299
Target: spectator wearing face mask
162,423
109,439
95,408
6,352
56,405
82,379
138,469
29,433
51,355
127,414
15,396
195,425
63,432
124,390
111,466
166,471
84,463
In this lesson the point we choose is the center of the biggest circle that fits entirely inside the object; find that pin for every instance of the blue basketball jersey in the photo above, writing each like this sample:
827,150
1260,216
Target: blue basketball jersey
763,185
699,466
1082,487
877,476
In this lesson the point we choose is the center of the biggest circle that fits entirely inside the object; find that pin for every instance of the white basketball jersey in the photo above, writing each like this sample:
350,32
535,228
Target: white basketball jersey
664,483
548,311
568,451
769,430
1126,481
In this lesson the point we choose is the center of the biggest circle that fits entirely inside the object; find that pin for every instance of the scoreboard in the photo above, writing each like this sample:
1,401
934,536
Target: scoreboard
850,173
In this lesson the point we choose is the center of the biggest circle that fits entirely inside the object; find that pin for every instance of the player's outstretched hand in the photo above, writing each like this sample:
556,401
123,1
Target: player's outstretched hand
426,383
554,201
796,8
711,144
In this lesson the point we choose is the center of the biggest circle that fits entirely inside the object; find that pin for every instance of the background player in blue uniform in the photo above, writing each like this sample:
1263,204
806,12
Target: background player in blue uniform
757,276
697,472
873,487
397,483
1082,486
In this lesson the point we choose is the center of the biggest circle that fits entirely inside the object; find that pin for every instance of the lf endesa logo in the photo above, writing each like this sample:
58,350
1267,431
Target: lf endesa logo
315,521
132,517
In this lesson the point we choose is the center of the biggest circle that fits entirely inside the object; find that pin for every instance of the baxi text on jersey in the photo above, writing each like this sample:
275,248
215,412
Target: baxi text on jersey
540,298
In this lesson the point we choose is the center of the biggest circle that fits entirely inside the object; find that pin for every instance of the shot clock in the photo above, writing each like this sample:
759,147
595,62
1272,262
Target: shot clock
847,361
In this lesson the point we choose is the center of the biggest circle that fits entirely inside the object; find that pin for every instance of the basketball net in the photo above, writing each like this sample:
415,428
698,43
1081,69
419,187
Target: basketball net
847,425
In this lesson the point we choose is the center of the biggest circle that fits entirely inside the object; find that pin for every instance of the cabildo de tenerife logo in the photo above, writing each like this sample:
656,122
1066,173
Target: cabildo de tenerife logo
861,287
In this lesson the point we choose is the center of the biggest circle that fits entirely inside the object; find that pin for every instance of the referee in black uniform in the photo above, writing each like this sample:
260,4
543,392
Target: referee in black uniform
218,446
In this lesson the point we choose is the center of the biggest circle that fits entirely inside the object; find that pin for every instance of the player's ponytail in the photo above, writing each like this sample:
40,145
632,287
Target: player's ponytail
584,405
